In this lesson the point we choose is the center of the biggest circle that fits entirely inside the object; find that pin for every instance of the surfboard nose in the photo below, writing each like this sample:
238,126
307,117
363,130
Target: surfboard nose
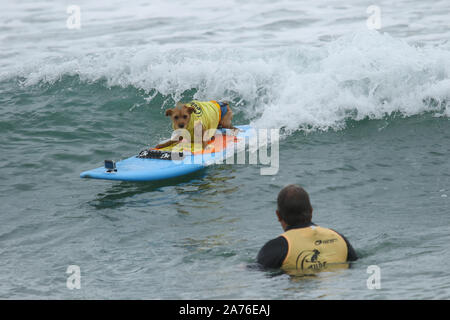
84,175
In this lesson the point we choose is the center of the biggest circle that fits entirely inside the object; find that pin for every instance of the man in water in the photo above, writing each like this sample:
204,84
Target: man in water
304,247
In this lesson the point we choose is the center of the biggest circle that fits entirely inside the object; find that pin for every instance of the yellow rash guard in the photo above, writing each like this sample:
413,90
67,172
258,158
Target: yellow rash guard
314,249
208,113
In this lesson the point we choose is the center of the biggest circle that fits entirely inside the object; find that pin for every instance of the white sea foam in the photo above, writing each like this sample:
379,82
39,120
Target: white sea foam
362,75
280,77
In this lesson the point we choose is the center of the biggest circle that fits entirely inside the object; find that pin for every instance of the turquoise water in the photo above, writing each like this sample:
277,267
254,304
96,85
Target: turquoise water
365,129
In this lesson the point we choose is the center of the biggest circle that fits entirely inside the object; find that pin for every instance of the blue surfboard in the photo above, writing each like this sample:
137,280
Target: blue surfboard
138,168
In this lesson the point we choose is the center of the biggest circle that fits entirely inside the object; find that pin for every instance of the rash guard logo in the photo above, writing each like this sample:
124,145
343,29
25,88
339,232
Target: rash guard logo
327,241
310,260
198,111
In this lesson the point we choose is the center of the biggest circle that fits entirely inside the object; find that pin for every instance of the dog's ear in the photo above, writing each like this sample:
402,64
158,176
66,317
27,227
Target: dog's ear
190,109
169,112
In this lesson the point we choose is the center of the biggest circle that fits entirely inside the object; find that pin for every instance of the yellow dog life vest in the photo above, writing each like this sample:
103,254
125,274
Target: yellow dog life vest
208,113
313,249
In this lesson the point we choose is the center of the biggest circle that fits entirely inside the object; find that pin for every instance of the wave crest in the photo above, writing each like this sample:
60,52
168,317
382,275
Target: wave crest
363,75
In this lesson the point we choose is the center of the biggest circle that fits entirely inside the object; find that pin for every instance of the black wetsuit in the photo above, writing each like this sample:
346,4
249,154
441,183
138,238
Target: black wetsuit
273,253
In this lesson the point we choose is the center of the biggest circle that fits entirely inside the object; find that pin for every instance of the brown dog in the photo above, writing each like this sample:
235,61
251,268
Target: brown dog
199,117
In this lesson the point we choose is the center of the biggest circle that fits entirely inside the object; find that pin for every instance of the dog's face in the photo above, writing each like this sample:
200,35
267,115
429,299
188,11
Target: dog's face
180,116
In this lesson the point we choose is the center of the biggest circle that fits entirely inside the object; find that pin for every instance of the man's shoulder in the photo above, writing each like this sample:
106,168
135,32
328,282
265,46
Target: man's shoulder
278,241
273,253
351,255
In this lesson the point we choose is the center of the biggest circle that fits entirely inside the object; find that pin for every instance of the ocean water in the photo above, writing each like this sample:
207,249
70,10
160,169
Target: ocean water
364,119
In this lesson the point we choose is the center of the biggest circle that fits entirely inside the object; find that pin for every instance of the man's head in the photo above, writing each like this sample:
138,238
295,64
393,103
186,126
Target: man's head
294,207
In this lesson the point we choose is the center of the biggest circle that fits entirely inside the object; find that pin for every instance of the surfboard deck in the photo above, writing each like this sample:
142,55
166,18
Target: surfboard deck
134,168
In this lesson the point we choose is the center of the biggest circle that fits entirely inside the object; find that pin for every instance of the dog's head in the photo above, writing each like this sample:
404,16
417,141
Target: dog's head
180,115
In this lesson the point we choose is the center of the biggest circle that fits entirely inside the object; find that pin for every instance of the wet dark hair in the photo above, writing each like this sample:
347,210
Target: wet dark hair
294,206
